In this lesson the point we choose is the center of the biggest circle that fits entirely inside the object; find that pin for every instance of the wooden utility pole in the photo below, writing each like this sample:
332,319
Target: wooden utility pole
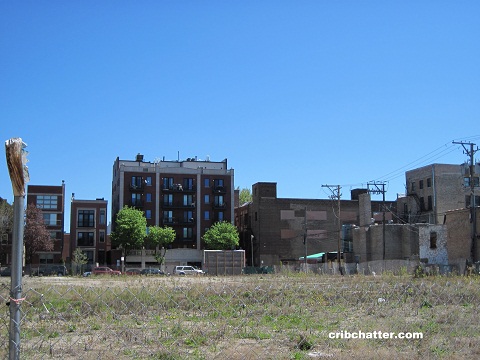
335,189
376,190
473,220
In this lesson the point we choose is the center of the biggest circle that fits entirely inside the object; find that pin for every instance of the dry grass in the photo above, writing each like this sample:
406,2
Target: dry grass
247,317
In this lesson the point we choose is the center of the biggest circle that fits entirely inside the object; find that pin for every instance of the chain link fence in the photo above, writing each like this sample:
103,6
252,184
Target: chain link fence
267,316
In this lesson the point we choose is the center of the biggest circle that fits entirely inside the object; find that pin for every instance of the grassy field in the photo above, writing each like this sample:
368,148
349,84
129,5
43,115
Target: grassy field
290,316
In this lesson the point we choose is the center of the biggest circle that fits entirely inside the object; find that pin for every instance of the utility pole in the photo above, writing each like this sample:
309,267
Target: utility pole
16,162
376,190
305,240
471,152
336,195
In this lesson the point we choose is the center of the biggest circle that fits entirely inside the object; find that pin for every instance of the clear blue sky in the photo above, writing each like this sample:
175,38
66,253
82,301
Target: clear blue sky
302,93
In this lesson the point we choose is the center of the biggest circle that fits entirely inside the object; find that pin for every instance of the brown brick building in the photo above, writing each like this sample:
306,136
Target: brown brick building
88,230
188,196
51,200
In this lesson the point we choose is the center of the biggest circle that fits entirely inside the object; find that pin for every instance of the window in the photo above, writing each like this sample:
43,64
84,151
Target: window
47,201
420,184
136,199
188,184
86,218
207,215
187,233
53,235
46,258
148,197
218,183
136,182
256,216
168,199
102,237
220,216
102,216
168,217
4,239
413,186
148,214
468,200
429,182
148,181
430,204
85,239
433,240
207,199
187,200
219,200
50,219
168,183
422,204
466,181
207,183
188,216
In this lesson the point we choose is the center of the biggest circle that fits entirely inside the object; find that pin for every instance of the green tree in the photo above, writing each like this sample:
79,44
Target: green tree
79,258
161,238
245,196
221,236
130,229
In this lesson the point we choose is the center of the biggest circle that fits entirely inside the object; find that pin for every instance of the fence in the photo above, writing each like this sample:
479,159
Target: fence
264,316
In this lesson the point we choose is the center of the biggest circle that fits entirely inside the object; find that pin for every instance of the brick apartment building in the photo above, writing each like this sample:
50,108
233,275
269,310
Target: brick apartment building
188,195
88,230
279,225
51,200
433,190
6,224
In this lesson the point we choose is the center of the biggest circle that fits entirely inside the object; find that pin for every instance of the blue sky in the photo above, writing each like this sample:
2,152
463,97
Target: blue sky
302,93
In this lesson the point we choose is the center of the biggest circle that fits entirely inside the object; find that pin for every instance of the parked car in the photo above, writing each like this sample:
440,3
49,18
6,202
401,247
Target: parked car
153,272
105,270
187,270
49,269
87,273
133,272
7,271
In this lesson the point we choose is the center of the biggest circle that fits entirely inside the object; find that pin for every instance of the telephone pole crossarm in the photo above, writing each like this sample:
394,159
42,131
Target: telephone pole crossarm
336,195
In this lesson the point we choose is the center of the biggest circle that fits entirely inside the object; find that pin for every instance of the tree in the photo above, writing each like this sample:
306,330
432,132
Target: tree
221,236
6,226
245,196
130,229
36,236
161,238
79,258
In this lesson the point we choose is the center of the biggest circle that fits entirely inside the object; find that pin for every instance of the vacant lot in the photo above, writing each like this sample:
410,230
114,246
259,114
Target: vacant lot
246,317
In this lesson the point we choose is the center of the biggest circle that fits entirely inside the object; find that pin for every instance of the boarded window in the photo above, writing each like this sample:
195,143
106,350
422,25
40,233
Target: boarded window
287,214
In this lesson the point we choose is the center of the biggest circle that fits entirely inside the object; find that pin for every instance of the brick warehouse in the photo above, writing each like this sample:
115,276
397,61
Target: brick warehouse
278,225
188,196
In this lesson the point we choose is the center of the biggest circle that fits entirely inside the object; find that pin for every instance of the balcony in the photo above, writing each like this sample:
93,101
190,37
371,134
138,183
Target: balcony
219,189
136,203
136,187
169,221
178,188
178,205
186,221
219,205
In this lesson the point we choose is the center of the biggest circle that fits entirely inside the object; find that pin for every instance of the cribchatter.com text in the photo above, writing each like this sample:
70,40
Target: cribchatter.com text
374,335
